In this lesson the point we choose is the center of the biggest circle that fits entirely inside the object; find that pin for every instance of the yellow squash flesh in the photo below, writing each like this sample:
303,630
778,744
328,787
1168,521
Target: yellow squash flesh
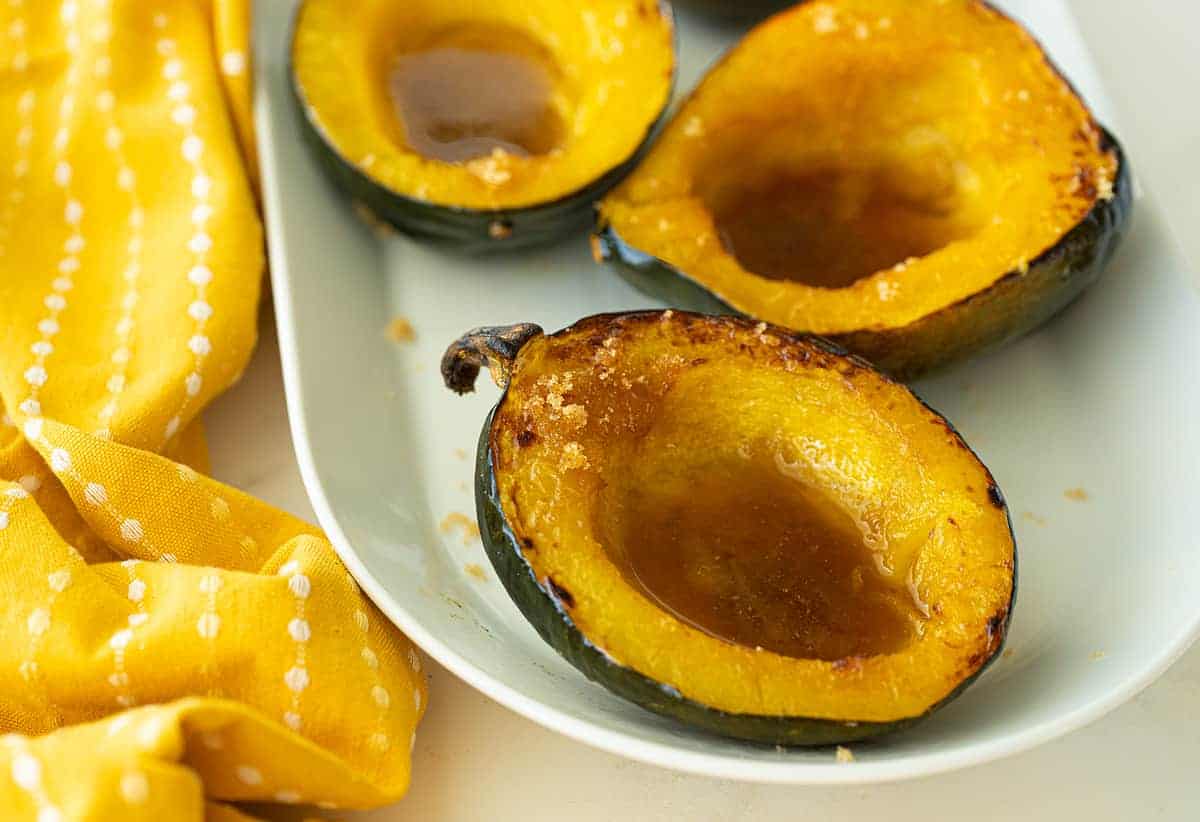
655,400
945,117
613,61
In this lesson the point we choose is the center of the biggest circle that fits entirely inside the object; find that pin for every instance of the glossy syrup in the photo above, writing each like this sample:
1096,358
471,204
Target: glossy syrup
753,556
829,228
472,90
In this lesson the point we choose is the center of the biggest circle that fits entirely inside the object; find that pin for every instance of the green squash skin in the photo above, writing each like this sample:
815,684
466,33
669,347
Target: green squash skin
469,229
735,9
1013,305
543,608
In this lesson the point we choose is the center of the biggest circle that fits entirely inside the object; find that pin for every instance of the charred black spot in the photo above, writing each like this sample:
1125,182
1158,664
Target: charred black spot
993,626
952,521
994,495
526,437
1086,182
527,542
699,361
560,593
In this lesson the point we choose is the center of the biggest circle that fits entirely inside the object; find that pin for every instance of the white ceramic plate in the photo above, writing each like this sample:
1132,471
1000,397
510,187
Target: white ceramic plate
1104,399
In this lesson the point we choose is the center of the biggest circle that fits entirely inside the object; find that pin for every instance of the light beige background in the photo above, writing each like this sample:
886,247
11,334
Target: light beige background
475,760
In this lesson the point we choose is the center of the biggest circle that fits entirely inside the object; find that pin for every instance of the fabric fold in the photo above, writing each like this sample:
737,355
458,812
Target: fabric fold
169,643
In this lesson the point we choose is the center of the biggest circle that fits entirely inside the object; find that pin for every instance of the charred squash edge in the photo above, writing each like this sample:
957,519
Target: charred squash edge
542,605
473,229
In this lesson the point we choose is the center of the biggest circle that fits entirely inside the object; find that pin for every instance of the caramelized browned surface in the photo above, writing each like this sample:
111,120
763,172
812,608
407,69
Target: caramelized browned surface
472,90
702,440
754,556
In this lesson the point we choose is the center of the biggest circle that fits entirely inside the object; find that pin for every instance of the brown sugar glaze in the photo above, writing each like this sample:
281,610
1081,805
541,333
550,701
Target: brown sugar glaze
751,555
471,90
830,228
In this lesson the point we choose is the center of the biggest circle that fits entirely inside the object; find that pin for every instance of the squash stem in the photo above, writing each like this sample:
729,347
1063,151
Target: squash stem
495,347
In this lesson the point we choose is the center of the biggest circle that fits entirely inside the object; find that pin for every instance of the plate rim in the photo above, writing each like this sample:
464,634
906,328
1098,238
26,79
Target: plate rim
582,730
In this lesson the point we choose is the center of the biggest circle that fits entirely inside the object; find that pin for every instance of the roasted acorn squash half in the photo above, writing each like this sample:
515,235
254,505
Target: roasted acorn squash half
750,531
910,178
485,124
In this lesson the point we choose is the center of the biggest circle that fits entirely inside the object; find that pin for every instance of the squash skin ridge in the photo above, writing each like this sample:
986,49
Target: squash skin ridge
543,609
475,230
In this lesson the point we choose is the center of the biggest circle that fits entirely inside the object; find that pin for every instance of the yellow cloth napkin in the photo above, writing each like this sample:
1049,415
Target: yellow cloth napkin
166,642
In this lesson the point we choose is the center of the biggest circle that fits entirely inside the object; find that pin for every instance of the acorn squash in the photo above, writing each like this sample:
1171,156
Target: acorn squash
910,178
481,123
750,531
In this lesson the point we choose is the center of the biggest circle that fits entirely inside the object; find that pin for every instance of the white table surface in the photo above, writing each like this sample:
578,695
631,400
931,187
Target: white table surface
476,760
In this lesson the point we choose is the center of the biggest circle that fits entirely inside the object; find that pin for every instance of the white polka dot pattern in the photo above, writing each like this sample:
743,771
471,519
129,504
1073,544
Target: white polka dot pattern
300,632
378,739
249,775
130,529
208,627
26,102
142,209
95,493
233,63
25,770
38,624
36,375
126,180
199,310
135,787
135,591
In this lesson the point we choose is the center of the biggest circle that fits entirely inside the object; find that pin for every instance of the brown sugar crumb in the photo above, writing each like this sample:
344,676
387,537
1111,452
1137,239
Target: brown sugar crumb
606,353
400,330
1032,517
475,570
844,755
460,453
1076,495
575,415
1098,655
455,521
555,386
378,227
555,401
1008,652
573,456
